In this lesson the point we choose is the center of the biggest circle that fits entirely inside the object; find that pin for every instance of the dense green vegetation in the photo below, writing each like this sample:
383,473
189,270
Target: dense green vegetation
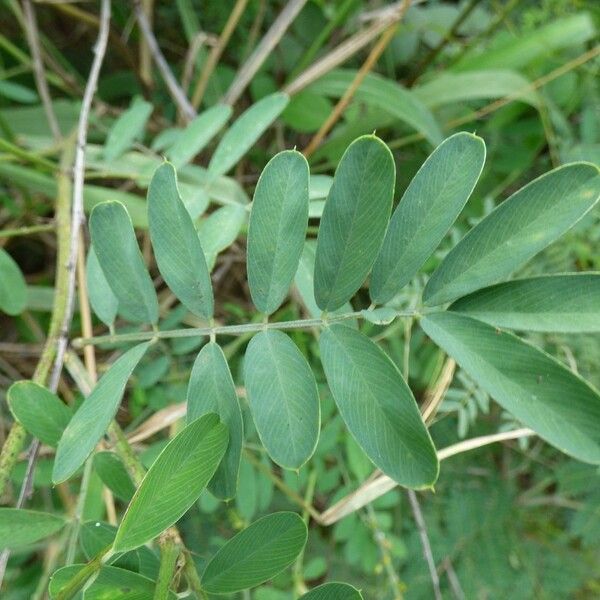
333,312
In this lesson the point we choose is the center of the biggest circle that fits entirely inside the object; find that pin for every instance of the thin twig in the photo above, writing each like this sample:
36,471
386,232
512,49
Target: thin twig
183,104
33,39
217,51
422,528
27,230
263,50
345,100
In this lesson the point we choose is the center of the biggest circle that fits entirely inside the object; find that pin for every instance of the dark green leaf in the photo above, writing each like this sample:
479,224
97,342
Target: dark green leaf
277,229
20,527
13,289
197,134
283,397
378,407
114,475
333,591
515,231
91,421
176,245
122,263
103,301
256,554
174,482
211,389
536,388
354,221
241,136
567,303
40,411
430,205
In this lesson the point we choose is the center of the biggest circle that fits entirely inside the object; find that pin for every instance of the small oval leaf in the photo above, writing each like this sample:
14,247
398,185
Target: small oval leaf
536,388
283,397
256,554
333,591
13,289
194,138
91,421
178,251
354,221
127,128
515,231
211,389
567,303
174,482
20,527
277,229
244,132
431,203
122,263
42,413
102,298
378,407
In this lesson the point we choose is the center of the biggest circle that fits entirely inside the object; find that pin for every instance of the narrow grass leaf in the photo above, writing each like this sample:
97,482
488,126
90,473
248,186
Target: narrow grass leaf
128,128
20,527
378,407
515,231
174,482
568,303
13,289
283,397
354,221
91,421
244,132
178,251
42,413
256,554
277,229
194,138
122,264
536,388
102,298
333,591
431,203
211,389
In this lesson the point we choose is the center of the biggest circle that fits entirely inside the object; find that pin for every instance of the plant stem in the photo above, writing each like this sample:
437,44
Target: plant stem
225,329
80,578
169,551
27,230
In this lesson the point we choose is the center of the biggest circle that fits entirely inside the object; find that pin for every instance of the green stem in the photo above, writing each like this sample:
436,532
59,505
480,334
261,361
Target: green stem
79,580
127,455
191,574
27,230
76,524
169,551
223,329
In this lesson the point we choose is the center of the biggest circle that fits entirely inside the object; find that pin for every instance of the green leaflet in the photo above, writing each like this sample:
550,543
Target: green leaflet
515,231
93,417
112,583
568,303
104,302
378,407
354,221
383,95
211,389
194,138
20,527
122,263
176,245
256,554
333,591
40,411
13,289
174,482
431,203
240,137
114,475
536,388
277,229
127,128
283,397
